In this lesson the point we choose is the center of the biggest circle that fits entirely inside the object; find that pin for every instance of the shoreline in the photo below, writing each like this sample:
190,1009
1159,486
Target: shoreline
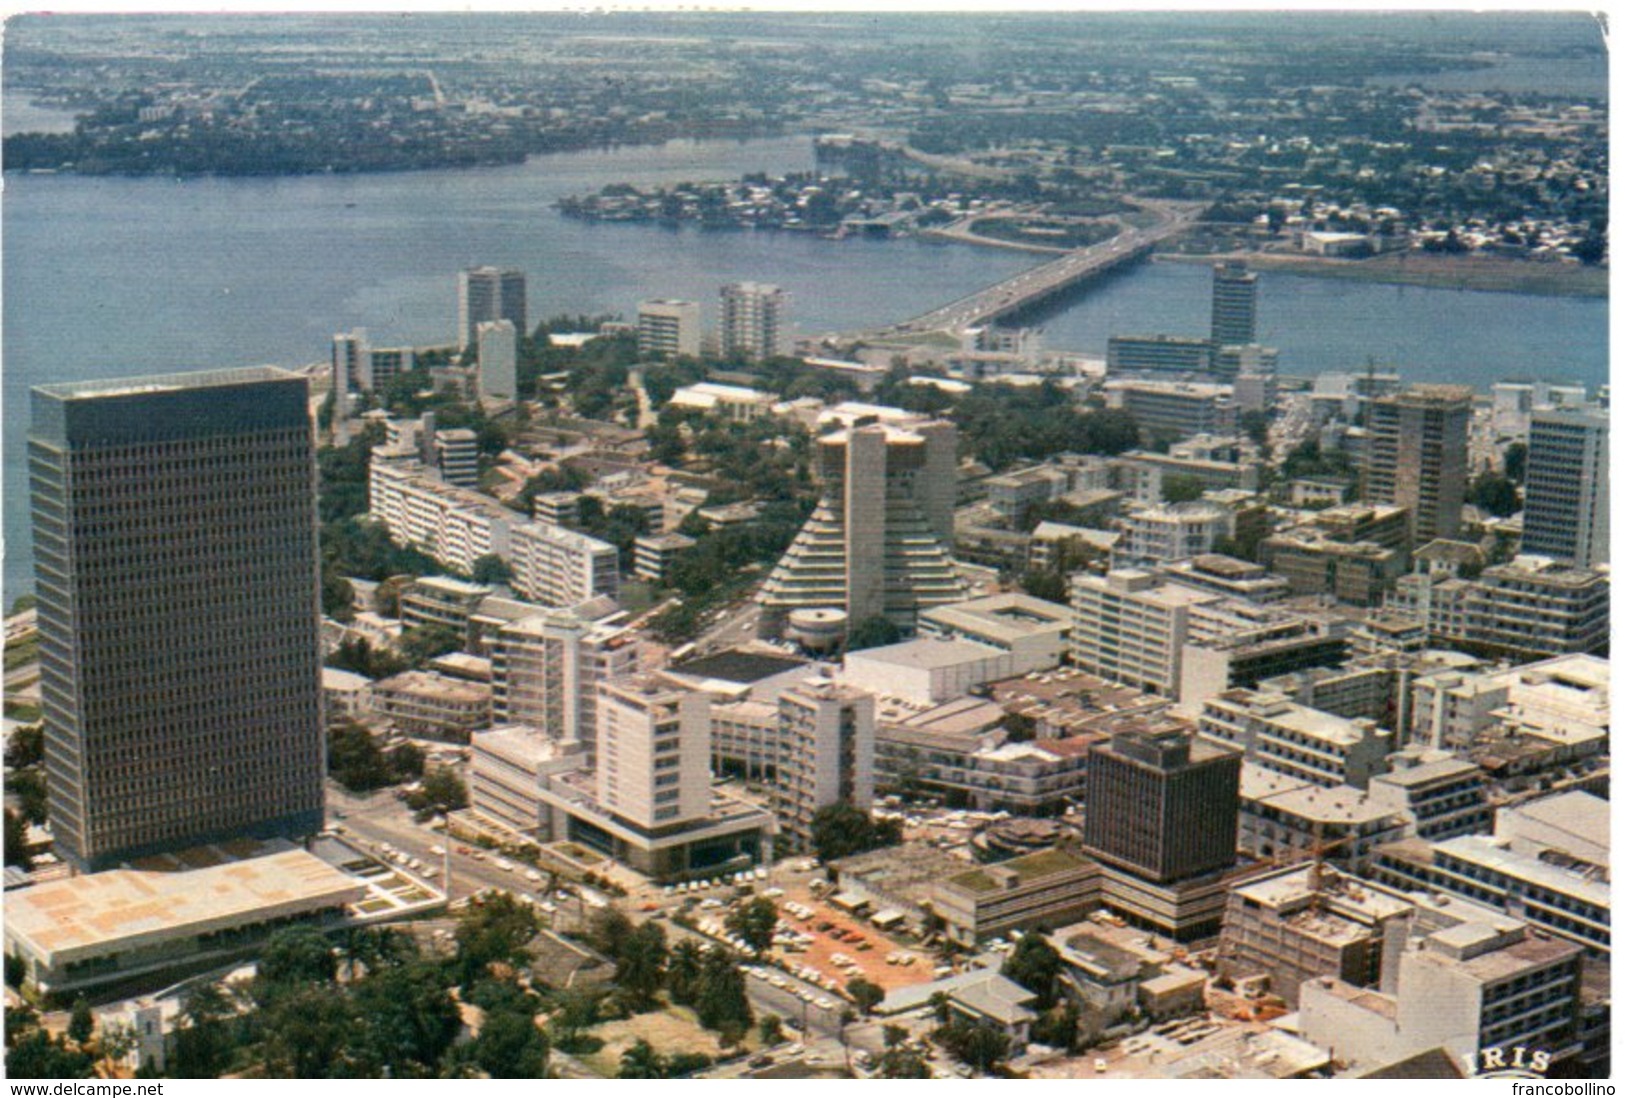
1476,273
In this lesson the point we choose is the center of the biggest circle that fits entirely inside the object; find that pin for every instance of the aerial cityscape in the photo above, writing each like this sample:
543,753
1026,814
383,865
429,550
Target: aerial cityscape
806,546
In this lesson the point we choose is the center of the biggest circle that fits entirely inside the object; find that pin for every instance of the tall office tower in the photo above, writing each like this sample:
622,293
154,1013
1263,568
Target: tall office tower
485,294
1235,304
1565,513
180,651
1162,804
668,328
498,360
827,754
754,324
1416,456
880,540
654,753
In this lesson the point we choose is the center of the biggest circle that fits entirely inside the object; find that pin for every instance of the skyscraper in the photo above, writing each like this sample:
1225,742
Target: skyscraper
1565,514
1235,304
1416,456
1162,804
880,540
176,568
498,359
488,293
754,324
668,328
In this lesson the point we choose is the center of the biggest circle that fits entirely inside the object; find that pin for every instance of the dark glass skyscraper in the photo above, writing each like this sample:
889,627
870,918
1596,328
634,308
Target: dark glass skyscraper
175,562
485,294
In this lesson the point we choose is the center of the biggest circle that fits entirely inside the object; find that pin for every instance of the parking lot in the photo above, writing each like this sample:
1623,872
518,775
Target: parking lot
839,947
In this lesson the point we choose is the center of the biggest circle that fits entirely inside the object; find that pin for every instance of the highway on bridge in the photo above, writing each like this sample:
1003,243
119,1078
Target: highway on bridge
1035,284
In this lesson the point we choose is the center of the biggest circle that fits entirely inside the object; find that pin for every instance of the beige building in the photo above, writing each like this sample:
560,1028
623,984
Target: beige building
668,328
653,762
881,538
559,567
1416,456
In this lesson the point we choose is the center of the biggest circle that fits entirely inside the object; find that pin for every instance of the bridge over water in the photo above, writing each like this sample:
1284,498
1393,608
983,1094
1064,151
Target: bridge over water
1035,285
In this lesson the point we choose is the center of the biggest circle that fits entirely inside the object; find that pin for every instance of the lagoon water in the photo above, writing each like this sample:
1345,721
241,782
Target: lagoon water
106,277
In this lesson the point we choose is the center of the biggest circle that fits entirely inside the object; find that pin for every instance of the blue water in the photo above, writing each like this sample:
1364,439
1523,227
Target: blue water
111,277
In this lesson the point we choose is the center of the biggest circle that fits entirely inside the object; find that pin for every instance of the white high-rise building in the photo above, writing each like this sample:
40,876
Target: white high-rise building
754,324
559,567
485,294
654,747
827,738
668,328
1565,514
498,360
546,669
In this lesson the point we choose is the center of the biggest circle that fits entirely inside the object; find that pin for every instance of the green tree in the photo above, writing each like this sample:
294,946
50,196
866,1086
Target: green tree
28,786
27,746
497,931
1057,1027
296,955
754,922
684,968
1494,493
311,1032
640,969
1516,460
81,1022
865,994
641,1061
443,791
872,632
978,1044
770,1030
841,829
721,1003
491,569
609,930
1182,488
510,1046
576,1010
422,643
15,841
1036,966
39,1056
354,758
408,1017
202,1044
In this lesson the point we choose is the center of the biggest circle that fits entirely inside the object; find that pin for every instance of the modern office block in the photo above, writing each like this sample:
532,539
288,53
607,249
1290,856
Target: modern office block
1417,456
1162,804
176,568
1158,354
879,542
1174,409
654,753
754,320
498,342
485,294
546,669
1565,514
667,329
1235,304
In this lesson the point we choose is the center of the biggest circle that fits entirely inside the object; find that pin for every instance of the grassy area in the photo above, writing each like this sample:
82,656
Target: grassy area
1045,231
1443,272
1028,868
672,1029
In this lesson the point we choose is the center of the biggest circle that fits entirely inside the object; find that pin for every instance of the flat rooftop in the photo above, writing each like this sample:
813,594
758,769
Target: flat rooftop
132,907
1028,868
926,654
737,666
157,383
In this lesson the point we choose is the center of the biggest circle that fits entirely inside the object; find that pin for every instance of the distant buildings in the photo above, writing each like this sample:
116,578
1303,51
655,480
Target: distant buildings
668,328
455,526
755,321
485,294
175,555
1417,456
1158,354
1565,513
359,367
